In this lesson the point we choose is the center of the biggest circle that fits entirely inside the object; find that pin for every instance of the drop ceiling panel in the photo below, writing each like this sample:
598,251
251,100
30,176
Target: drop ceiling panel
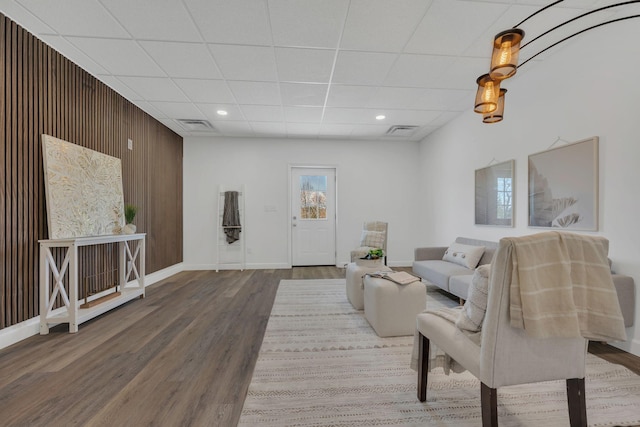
302,94
369,131
350,96
119,57
76,17
307,23
155,19
336,129
234,128
362,68
307,130
155,88
271,129
418,70
303,114
233,22
411,117
351,116
440,99
382,25
211,112
304,65
262,113
262,93
183,59
245,62
462,73
178,110
437,34
206,91
393,97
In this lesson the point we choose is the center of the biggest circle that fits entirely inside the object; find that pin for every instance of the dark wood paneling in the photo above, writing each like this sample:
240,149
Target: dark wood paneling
43,92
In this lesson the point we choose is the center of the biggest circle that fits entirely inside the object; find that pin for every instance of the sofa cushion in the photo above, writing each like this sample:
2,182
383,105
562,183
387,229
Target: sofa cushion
438,271
489,251
465,255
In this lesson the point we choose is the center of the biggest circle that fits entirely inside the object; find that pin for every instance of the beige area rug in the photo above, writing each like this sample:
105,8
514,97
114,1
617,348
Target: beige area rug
321,364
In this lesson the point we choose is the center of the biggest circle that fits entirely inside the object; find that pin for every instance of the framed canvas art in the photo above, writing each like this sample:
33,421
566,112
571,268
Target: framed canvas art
563,187
494,197
83,190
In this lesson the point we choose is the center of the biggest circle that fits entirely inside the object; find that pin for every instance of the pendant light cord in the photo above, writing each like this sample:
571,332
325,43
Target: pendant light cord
579,32
576,18
537,12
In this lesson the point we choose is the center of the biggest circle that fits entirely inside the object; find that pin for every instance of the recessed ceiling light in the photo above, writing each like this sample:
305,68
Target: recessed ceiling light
381,117
222,112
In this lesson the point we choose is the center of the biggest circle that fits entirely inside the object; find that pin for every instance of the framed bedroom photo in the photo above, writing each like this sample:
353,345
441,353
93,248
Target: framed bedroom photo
563,187
494,197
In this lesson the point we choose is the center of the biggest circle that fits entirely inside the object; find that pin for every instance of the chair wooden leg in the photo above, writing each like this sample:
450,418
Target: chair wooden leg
489,401
577,403
423,367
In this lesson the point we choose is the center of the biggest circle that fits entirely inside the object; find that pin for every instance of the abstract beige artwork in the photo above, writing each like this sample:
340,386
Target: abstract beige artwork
83,190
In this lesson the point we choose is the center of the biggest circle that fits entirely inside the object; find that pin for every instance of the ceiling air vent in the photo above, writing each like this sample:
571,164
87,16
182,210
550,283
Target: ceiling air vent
196,125
401,130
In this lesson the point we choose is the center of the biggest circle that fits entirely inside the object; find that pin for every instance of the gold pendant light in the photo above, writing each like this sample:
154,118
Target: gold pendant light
504,59
496,116
487,95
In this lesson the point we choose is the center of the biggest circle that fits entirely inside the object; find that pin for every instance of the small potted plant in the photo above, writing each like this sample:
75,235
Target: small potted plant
129,214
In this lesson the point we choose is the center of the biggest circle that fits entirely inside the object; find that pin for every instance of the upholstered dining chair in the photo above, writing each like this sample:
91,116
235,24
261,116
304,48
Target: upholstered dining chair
374,236
507,355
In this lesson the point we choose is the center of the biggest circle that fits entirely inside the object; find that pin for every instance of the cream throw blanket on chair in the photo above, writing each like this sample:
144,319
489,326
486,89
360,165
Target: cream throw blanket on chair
562,287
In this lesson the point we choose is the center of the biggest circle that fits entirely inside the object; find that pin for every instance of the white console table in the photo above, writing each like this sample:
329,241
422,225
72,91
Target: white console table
71,313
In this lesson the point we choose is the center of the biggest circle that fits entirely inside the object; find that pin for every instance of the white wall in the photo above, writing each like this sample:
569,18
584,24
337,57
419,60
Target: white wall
376,181
597,95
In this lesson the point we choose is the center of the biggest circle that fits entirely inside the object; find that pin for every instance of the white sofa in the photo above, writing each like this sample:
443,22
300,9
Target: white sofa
451,277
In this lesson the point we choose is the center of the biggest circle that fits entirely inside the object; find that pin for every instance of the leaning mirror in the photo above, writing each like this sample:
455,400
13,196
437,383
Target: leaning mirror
494,194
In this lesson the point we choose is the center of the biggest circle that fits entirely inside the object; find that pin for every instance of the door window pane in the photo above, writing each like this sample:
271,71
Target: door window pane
313,197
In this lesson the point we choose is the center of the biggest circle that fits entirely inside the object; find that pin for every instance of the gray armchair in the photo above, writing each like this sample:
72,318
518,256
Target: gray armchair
506,355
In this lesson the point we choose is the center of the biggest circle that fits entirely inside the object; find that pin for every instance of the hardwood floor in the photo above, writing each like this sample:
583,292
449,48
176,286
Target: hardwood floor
182,356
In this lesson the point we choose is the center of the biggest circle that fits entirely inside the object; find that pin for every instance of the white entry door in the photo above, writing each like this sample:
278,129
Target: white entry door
313,216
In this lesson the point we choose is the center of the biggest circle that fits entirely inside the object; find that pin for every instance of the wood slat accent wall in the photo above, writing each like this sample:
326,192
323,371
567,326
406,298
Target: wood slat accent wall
43,92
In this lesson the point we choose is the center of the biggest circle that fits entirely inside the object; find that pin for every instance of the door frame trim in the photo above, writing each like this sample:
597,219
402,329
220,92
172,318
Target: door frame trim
293,166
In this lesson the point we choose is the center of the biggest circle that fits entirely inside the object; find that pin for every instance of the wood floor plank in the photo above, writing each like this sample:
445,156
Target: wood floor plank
184,355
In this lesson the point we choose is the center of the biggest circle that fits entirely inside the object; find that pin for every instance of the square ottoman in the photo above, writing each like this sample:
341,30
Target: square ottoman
355,286
391,309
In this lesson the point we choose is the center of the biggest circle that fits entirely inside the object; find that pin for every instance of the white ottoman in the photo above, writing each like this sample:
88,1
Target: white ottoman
391,309
355,286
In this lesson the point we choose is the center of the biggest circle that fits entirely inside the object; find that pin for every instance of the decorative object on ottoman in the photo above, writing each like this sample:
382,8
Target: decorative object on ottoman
355,286
390,308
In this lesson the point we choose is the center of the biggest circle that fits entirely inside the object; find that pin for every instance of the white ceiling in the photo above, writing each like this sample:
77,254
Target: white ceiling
292,68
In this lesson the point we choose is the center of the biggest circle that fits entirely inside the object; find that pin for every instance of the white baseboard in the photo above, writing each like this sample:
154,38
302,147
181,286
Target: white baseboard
30,327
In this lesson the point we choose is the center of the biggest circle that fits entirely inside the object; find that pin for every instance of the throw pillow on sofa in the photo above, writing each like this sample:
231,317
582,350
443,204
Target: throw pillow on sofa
464,255
372,239
472,314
